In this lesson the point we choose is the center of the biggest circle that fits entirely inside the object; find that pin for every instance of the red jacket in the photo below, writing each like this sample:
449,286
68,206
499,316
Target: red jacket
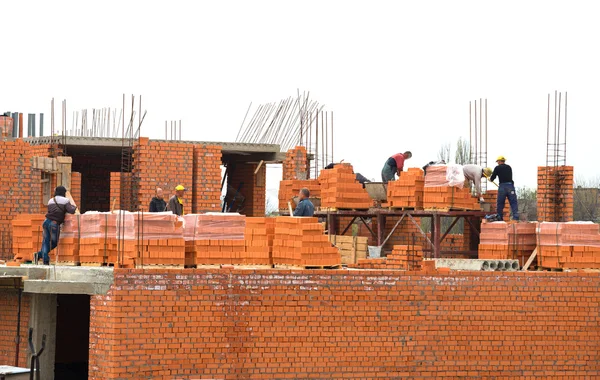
399,158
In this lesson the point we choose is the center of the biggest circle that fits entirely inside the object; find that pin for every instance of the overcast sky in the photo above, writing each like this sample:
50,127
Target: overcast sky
398,75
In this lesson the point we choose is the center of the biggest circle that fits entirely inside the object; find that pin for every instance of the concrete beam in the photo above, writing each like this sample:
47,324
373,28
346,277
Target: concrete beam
65,287
478,265
43,321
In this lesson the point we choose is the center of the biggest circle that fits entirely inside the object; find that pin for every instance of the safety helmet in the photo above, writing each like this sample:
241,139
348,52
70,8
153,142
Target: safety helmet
487,172
179,188
500,158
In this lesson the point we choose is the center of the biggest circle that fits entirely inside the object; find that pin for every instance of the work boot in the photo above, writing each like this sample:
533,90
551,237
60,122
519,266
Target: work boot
46,262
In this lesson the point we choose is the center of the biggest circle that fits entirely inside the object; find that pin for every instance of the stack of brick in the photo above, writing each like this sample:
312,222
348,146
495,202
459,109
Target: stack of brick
440,194
214,238
405,257
259,235
507,241
340,189
352,248
76,188
206,178
370,263
288,189
302,242
69,243
27,236
407,191
574,245
159,238
555,193
295,165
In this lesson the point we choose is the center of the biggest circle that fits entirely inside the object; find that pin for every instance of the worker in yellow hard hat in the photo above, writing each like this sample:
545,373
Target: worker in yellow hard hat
176,201
474,174
506,189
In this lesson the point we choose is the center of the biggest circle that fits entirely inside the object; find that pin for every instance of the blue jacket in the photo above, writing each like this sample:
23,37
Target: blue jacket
304,208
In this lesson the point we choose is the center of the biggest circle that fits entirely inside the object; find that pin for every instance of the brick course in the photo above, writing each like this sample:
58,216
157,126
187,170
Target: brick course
9,304
345,324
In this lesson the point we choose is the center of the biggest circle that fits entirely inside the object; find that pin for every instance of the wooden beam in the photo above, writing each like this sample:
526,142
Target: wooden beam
258,167
530,260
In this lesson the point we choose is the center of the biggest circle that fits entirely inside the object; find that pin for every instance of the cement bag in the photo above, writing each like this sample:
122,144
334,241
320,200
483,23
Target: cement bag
455,175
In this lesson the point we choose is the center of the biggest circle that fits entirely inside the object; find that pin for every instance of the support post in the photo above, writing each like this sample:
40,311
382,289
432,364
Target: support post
380,229
436,235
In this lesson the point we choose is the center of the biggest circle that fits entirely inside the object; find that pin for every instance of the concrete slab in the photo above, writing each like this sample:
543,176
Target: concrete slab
43,279
478,264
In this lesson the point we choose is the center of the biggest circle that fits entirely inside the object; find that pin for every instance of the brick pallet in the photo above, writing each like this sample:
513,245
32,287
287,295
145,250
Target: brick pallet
439,192
507,241
302,242
259,235
340,189
212,239
405,257
352,248
27,236
574,245
408,190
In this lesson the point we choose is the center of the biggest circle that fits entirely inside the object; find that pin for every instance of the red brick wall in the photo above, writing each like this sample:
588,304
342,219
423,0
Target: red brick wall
165,165
295,165
9,303
20,188
206,193
95,180
76,187
364,324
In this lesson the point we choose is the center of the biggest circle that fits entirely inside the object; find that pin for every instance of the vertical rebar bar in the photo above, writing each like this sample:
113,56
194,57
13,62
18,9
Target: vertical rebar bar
565,140
332,160
470,135
325,160
480,128
476,151
317,147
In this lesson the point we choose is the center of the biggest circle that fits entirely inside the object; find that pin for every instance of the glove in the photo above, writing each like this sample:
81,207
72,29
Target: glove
481,200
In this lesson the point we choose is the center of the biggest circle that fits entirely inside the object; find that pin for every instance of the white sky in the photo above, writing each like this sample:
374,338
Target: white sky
398,74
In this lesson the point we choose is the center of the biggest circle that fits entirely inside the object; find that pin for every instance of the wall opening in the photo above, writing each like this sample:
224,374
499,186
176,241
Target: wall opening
72,336
95,165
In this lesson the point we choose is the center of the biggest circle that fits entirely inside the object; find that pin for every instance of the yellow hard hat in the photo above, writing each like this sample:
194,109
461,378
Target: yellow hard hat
500,158
487,172
179,188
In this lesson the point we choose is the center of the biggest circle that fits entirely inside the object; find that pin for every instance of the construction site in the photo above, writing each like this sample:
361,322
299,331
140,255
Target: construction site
404,279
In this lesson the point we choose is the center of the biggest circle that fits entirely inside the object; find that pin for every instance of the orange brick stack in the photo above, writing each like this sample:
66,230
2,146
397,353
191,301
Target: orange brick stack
69,242
27,236
76,188
370,263
206,172
407,191
555,194
295,164
507,241
159,237
259,235
340,189
116,188
405,257
438,194
574,245
288,189
302,242
214,239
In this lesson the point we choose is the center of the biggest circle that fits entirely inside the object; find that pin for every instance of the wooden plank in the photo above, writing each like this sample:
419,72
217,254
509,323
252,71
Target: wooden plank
530,260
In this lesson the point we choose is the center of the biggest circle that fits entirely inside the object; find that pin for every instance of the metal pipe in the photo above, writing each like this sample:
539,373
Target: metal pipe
332,137
565,157
486,135
480,128
317,148
470,135
323,140
475,160
325,160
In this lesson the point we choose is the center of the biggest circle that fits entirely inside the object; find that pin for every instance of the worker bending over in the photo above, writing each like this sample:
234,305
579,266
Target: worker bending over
506,189
394,165
474,174
176,202
304,207
58,207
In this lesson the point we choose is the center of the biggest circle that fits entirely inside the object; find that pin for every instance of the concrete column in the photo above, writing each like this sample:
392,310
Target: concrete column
43,321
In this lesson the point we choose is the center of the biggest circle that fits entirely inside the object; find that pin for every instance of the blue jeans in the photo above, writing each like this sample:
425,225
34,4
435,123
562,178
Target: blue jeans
388,173
507,190
51,232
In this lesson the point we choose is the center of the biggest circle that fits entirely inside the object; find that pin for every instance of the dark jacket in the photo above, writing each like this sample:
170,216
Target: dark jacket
504,174
174,206
304,208
58,207
158,205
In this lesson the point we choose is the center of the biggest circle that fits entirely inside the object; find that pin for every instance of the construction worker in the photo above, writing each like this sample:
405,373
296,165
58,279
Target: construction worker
474,174
394,165
58,207
176,202
304,207
158,204
506,189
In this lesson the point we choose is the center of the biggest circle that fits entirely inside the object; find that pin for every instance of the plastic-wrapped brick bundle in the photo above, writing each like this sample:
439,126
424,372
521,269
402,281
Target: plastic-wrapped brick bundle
157,225
445,175
214,226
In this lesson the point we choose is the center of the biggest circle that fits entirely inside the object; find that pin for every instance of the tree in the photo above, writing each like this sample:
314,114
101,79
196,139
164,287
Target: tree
586,202
527,199
444,153
463,151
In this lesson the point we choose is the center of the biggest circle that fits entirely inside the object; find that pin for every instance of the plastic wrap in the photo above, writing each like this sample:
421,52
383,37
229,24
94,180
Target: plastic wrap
445,175
455,175
569,234
214,226
157,225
